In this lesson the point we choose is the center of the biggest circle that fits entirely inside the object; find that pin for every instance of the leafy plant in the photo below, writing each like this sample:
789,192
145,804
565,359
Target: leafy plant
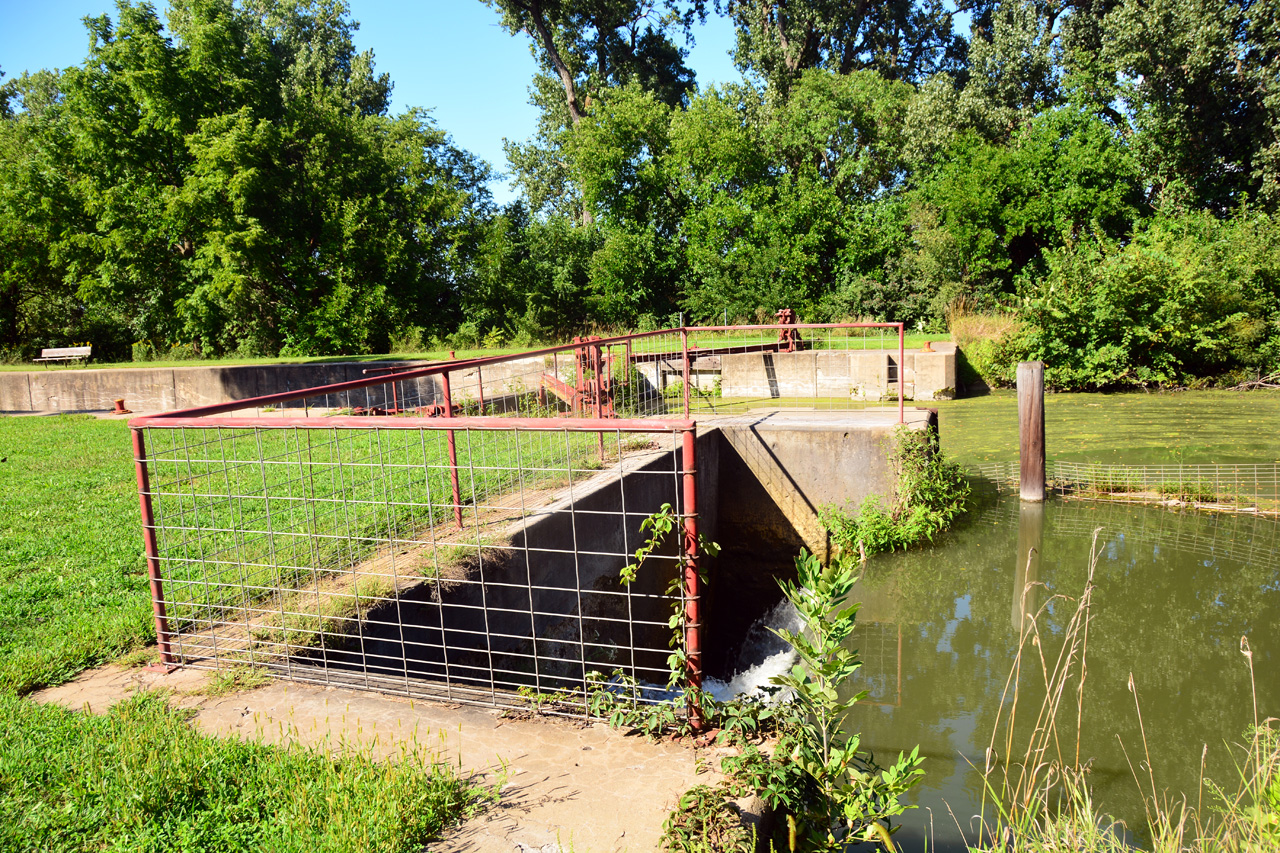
931,493
660,525
704,821
838,794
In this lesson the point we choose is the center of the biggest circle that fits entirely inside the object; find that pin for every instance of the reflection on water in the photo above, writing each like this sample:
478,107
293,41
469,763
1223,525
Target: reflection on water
939,629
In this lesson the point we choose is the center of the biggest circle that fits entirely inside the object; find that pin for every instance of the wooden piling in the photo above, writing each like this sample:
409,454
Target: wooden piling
1031,430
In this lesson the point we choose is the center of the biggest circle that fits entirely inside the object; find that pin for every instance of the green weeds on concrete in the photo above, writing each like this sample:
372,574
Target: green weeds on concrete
831,793
931,492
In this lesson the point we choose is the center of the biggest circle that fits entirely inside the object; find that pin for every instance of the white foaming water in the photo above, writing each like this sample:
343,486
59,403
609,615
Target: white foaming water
763,655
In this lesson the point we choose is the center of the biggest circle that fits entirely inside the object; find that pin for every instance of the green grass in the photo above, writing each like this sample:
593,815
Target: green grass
141,779
73,594
73,589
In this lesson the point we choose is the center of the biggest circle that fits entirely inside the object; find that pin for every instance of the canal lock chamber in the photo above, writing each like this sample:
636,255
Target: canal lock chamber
539,604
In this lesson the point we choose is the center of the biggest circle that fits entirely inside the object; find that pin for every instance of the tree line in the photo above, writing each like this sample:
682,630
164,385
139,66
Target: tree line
1103,175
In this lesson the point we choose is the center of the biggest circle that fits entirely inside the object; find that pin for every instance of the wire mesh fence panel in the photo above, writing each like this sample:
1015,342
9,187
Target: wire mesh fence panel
466,559
1246,487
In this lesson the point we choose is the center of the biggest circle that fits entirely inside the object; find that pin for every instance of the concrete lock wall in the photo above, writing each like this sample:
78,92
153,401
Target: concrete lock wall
148,389
848,374
763,482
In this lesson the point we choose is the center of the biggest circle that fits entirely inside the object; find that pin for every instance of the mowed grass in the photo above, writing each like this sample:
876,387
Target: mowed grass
141,779
73,590
73,594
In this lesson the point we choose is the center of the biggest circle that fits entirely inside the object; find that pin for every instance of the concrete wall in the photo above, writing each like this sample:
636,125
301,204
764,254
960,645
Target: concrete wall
763,481
776,474
152,389
847,374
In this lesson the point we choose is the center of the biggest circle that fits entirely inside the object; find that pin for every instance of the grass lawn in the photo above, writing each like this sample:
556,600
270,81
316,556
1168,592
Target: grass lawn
73,594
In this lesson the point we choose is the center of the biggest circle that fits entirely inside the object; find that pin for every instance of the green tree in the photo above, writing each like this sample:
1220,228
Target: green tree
585,47
235,179
1198,81
986,213
780,39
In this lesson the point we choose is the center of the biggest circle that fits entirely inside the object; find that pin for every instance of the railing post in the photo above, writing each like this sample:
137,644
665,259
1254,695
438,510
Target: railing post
1031,480
902,373
453,451
684,347
152,550
480,388
692,601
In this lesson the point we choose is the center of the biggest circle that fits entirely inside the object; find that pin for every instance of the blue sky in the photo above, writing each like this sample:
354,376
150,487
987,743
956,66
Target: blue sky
449,56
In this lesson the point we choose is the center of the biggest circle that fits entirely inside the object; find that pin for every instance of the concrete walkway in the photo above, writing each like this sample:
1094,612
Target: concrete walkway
565,785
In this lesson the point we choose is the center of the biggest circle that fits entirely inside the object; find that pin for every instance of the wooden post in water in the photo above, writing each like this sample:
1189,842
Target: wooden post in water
1031,430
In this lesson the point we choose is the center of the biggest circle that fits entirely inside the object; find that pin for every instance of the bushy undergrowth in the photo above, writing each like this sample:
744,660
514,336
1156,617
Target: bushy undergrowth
1189,299
931,492
141,779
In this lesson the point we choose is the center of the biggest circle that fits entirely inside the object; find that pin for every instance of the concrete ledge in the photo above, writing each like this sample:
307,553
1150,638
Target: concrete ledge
849,374
156,389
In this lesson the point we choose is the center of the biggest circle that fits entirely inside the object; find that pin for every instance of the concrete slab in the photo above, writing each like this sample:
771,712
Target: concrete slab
15,392
564,784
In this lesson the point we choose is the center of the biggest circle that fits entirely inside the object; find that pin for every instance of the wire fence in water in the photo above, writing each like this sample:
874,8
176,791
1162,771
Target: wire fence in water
1248,488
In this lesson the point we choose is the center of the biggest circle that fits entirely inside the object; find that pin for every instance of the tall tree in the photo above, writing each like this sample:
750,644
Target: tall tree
1198,80
239,182
585,47
900,39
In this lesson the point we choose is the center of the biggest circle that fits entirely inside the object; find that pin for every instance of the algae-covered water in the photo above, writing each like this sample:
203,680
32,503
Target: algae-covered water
1132,429
1175,592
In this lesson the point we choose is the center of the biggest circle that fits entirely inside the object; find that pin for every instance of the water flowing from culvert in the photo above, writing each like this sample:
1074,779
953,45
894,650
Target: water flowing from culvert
762,655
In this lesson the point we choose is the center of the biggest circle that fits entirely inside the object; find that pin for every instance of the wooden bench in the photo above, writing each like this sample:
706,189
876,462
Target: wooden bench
65,354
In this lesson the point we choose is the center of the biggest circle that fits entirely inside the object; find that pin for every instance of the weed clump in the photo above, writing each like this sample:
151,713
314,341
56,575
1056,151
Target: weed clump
931,493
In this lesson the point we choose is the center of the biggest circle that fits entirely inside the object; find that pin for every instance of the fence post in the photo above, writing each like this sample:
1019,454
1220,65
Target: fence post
692,602
152,550
902,373
1031,480
453,451
684,346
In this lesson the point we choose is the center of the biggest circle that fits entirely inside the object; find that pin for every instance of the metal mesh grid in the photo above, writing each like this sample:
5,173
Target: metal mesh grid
1233,537
455,530
344,555
1253,488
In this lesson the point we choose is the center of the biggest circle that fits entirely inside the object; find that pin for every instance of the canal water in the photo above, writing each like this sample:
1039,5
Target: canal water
939,627
1174,592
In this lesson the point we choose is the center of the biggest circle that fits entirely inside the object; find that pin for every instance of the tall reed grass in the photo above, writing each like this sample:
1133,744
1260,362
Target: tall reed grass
1037,796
